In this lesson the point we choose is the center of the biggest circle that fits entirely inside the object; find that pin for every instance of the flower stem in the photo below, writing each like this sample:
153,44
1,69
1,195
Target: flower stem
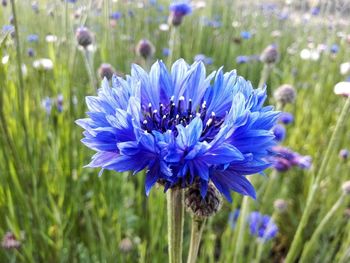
264,75
297,241
21,94
172,45
309,248
239,237
89,68
196,235
175,198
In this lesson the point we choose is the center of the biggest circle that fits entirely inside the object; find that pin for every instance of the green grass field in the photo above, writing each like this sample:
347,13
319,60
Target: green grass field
60,211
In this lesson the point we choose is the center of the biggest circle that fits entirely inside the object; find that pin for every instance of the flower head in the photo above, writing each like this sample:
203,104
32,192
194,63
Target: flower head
262,226
177,11
284,159
145,48
286,118
84,36
182,126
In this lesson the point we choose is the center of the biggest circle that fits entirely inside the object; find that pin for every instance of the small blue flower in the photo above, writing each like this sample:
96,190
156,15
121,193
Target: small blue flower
262,226
115,15
32,38
31,52
315,11
203,58
246,35
286,118
334,49
8,28
180,8
280,132
233,217
47,105
166,52
242,59
182,127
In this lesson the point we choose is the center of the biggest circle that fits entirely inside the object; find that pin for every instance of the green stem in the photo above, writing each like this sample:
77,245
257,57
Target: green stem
172,45
309,248
196,235
89,68
239,238
297,241
264,75
175,198
260,251
21,99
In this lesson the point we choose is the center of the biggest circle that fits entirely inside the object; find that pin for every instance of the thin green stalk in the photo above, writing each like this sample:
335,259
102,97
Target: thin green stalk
310,246
297,241
21,99
197,227
260,251
239,241
175,198
89,68
265,73
172,45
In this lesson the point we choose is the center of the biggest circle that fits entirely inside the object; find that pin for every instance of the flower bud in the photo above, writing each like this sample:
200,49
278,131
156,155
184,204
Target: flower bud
346,187
285,94
106,70
83,36
203,207
280,205
126,245
344,154
177,12
4,3
269,55
280,132
145,49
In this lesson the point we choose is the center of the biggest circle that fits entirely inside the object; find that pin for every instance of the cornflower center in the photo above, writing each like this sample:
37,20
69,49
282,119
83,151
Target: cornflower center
167,117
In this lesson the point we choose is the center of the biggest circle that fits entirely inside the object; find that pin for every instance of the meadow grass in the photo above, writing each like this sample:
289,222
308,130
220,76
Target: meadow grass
67,213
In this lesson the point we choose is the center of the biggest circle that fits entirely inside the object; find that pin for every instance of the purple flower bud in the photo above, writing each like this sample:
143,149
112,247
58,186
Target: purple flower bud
31,52
106,71
270,55
344,154
83,36
280,132
285,94
145,49
286,118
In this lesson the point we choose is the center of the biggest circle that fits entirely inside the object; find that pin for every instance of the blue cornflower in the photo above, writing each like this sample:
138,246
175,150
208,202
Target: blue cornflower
203,58
286,118
8,28
334,49
115,15
262,226
182,126
246,35
32,38
284,159
233,218
242,59
280,132
178,10
166,52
